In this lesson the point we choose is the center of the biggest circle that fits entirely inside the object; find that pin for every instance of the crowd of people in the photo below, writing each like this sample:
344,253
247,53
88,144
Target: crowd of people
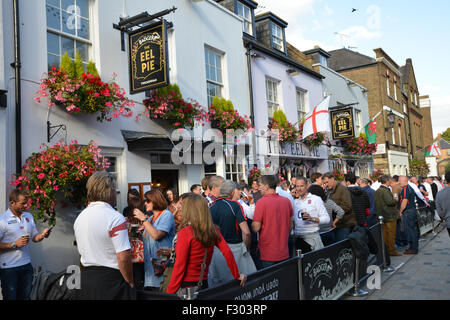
219,231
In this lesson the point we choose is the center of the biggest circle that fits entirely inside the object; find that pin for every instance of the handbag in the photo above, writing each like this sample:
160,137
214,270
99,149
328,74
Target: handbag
159,266
188,293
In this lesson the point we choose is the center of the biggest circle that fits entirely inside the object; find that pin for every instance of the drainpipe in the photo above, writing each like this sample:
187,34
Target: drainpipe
252,110
18,92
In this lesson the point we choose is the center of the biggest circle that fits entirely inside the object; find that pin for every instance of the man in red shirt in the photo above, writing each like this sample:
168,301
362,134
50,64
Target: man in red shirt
273,220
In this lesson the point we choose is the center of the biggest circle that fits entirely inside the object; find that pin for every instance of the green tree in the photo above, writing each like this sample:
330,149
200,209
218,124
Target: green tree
67,65
446,135
78,65
92,69
280,117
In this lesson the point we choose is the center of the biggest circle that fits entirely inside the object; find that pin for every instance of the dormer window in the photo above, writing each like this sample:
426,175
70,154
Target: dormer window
245,13
277,37
323,60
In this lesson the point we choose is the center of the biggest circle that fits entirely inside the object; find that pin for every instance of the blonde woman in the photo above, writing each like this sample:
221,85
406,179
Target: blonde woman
197,236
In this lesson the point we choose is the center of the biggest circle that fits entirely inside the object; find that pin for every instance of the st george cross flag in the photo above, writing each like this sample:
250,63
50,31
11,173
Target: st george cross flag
432,150
318,120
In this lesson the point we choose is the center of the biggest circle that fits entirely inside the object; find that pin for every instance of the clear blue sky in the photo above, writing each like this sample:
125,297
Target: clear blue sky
414,29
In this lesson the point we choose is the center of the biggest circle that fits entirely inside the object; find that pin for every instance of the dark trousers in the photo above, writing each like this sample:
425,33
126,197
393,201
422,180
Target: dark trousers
341,233
409,221
17,282
328,238
400,237
267,264
138,275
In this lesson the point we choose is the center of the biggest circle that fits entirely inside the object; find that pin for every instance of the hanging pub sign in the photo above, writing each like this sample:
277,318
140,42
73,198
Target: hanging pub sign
342,123
148,58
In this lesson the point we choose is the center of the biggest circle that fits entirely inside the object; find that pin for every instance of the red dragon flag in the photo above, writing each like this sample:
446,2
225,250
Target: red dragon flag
318,120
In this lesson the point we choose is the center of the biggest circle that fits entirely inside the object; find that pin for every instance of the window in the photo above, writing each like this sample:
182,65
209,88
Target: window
272,96
393,136
323,60
395,91
277,37
399,134
214,85
387,87
358,122
245,13
68,30
404,107
235,170
415,99
301,104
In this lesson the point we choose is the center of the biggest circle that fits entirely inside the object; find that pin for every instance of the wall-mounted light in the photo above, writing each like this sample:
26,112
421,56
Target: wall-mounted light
391,119
3,99
292,72
257,56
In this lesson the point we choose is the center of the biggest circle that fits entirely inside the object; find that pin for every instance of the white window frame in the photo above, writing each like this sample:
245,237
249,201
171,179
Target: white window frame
387,86
272,102
279,38
358,121
216,82
60,33
400,134
247,20
323,60
239,172
301,96
395,91
393,135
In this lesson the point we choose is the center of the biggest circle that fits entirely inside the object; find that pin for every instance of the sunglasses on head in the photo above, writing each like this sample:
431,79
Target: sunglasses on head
147,201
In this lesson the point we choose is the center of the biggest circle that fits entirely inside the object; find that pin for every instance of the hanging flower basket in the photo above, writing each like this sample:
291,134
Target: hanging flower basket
360,145
168,104
87,94
376,175
314,140
418,168
338,175
222,116
254,175
61,168
279,124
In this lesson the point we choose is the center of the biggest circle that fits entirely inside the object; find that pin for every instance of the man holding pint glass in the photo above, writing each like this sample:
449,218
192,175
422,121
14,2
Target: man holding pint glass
17,228
310,213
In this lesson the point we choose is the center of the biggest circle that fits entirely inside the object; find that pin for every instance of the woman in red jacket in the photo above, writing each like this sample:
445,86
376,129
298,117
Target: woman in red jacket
198,233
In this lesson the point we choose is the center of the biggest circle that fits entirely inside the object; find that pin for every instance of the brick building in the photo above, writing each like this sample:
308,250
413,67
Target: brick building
382,77
425,110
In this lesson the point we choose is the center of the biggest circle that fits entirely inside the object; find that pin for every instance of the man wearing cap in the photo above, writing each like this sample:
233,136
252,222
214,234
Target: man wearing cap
17,227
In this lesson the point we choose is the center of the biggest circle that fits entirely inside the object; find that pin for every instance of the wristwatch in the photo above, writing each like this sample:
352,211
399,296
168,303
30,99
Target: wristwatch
14,246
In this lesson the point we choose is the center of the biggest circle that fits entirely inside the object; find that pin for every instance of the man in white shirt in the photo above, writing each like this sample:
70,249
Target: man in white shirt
102,239
17,227
310,213
413,183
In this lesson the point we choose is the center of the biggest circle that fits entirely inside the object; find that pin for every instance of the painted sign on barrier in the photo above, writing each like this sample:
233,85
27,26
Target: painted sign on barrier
425,220
279,282
328,273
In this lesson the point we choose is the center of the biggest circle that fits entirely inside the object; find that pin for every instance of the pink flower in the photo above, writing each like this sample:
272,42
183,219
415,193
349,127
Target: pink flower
41,176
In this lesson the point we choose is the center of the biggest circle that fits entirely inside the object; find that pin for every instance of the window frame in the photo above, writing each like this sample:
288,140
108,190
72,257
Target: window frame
250,22
304,112
275,103
272,36
358,122
388,87
210,81
75,38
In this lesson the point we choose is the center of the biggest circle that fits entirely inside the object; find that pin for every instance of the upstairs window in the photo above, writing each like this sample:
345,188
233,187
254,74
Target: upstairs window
358,122
323,60
388,88
277,37
301,104
214,83
245,13
68,30
272,97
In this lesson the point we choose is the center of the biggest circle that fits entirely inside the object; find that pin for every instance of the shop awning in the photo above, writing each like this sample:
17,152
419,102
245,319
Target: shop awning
152,142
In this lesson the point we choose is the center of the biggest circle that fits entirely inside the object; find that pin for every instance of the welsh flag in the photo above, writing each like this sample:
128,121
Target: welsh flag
432,150
428,151
371,131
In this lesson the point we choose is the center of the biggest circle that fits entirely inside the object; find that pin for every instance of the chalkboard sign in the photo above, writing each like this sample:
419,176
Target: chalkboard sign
279,282
148,58
328,272
342,123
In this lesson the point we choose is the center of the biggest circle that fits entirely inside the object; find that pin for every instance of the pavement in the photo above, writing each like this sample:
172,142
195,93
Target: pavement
425,276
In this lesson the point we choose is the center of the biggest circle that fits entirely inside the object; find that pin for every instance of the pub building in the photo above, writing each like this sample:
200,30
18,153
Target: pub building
349,113
281,80
205,57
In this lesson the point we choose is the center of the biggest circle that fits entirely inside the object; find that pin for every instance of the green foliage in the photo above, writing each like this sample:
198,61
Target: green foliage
447,167
280,117
78,65
222,105
446,135
67,65
92,69
165,91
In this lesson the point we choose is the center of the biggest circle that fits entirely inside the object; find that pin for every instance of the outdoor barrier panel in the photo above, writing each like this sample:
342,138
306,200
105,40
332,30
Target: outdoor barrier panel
279,282
425,220
328,273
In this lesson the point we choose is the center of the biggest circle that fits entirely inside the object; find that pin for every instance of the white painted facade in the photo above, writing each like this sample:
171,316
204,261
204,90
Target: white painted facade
263,67
195,25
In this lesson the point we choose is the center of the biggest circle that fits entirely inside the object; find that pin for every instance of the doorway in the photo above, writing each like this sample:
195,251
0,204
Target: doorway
165,179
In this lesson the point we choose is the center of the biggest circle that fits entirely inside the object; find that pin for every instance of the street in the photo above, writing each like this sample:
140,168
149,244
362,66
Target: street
421,277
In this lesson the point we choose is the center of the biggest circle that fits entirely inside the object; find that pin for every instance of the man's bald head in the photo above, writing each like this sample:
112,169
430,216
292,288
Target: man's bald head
403,181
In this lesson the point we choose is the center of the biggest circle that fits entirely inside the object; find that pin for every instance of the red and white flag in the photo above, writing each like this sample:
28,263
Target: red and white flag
318,120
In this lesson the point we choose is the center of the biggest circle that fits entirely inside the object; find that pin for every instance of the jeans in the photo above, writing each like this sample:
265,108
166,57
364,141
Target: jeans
372,220
400,237
341,233
409,221
328,238
17,282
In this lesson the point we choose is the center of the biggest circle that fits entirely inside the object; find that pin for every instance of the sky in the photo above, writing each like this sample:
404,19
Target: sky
415,29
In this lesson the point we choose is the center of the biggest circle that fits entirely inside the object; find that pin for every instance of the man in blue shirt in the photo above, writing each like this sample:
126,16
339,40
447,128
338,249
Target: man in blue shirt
408,214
